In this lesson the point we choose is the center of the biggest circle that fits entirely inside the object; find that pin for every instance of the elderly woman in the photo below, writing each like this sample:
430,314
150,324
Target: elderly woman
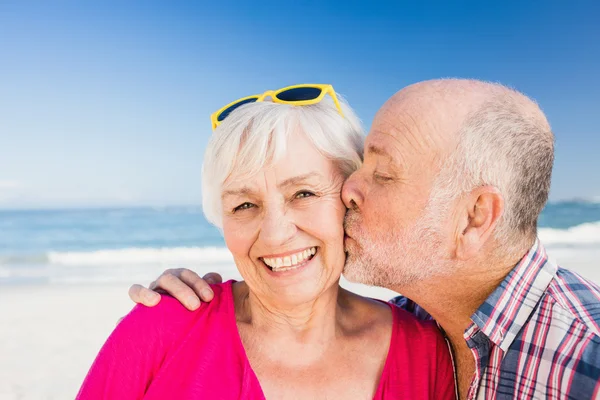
272,176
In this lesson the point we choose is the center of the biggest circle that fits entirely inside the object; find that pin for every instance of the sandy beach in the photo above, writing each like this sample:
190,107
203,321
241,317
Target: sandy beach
50,335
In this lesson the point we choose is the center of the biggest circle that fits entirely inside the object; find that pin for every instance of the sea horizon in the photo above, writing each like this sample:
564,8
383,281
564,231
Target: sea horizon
135,244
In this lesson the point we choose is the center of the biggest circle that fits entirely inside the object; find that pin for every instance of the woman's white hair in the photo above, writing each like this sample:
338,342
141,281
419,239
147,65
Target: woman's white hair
255,136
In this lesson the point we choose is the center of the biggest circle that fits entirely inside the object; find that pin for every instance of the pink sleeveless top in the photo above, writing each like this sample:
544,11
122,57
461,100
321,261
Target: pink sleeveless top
168,352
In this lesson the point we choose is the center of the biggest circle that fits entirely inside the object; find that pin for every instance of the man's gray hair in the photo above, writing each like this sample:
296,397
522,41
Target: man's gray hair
255,135
506,143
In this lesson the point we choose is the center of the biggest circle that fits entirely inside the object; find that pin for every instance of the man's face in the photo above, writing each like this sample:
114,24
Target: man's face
394,233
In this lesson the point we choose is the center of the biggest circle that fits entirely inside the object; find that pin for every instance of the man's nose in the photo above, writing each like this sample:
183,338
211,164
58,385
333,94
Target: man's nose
277,228
351,194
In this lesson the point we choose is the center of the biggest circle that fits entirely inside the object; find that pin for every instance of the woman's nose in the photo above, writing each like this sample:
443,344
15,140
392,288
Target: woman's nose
351,194
277,228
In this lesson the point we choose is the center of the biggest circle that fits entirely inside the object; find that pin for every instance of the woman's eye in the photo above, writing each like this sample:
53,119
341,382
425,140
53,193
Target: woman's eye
303,194
243,206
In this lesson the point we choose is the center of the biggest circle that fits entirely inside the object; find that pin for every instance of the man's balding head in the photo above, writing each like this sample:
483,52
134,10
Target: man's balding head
447,104
488,134
445,140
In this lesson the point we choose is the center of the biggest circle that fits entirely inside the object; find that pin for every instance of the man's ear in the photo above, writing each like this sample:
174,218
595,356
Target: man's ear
480,213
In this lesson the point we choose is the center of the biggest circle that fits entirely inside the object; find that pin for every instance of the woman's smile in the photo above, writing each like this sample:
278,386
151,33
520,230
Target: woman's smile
290,261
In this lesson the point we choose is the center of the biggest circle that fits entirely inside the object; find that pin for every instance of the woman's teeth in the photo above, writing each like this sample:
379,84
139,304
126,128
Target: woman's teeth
280,264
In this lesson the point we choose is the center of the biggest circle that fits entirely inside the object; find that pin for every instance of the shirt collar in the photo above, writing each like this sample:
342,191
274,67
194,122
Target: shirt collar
506,310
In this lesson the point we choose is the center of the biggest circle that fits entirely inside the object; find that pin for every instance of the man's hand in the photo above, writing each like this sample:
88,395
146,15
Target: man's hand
183,284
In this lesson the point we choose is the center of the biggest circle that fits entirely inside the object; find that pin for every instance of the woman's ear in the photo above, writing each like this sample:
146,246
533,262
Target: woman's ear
480,214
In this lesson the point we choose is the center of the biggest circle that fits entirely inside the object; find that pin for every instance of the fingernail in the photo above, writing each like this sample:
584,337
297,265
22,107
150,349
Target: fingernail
207,294
193,302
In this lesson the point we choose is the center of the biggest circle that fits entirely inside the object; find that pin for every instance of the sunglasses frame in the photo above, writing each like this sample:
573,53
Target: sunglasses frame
325,89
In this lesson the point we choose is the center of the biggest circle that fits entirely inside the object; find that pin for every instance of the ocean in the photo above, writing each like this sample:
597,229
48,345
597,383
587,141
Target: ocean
129,245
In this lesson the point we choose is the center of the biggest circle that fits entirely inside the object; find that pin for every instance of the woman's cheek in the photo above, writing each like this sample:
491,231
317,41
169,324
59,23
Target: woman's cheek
323,219
239,237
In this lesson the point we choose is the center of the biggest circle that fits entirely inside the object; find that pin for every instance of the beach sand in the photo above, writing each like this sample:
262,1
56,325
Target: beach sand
50,334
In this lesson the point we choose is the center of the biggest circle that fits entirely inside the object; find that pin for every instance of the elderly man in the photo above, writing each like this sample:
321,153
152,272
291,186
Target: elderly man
444,210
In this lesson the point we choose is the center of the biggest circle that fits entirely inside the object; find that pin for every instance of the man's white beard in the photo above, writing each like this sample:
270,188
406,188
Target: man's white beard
397,258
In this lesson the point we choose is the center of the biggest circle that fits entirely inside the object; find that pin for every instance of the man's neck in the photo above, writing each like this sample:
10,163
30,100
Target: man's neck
452,300
452,305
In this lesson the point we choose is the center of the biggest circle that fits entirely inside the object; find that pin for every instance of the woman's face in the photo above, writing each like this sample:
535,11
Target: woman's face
284,225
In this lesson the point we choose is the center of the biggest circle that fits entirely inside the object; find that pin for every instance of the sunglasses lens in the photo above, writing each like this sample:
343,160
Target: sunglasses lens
232,107
299,94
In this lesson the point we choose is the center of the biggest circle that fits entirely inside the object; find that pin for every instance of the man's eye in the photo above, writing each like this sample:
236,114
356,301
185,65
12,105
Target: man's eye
243,206
382,178
303,194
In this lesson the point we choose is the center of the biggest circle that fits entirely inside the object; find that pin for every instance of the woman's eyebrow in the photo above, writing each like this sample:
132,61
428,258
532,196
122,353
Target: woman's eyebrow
244,191
299,179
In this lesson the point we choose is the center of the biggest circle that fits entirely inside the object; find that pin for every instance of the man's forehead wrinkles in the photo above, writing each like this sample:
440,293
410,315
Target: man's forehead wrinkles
392,149
417,134
418,124
400,123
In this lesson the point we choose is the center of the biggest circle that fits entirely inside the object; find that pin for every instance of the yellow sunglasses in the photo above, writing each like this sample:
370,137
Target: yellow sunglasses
299,95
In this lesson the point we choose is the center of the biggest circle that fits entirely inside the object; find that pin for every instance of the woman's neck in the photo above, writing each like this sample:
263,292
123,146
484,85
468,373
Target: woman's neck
313,321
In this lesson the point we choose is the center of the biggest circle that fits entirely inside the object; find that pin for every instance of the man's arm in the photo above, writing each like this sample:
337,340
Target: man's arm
183,284
189,289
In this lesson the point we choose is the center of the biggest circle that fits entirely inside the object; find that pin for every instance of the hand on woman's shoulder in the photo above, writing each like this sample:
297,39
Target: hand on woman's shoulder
167,310
167,320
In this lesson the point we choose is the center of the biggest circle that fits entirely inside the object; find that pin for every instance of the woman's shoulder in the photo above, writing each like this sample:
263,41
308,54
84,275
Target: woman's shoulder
169,317
147,338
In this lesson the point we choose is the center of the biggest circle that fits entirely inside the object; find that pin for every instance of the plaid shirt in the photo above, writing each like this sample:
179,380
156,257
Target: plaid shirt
537,336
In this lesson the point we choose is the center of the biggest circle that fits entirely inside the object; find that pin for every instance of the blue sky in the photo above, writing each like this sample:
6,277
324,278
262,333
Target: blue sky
107,102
